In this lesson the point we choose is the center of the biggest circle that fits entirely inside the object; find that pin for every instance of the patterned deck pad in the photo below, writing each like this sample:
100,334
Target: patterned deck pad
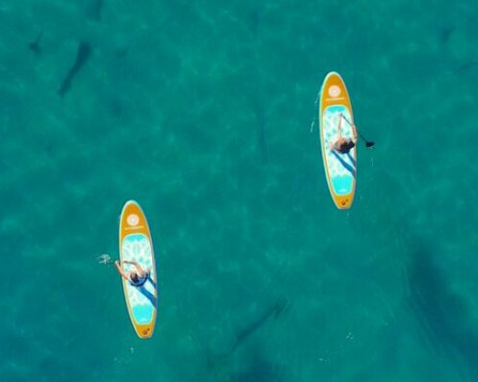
342,167
142,300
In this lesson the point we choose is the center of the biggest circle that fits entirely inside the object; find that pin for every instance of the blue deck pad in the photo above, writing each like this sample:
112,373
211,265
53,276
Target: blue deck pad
143,313
137,248
341,167
342,158
342,184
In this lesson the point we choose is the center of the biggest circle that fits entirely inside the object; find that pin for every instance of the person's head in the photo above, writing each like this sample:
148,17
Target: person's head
134,276
347,143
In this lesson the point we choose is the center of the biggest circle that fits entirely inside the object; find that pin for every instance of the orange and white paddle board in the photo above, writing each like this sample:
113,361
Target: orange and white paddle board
340,169
136,245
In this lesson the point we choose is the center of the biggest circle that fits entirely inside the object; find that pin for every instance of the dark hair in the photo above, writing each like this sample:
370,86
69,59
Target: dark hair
346,146
134,276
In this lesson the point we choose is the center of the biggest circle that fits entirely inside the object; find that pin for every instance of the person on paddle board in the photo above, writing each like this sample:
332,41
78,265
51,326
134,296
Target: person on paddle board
137,276
344,145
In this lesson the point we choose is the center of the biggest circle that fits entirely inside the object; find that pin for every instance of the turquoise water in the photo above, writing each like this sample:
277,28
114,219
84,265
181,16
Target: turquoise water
201,111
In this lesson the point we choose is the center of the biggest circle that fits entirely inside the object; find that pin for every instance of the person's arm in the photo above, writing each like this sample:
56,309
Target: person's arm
120,270
138,267
354,132
340,128
140,270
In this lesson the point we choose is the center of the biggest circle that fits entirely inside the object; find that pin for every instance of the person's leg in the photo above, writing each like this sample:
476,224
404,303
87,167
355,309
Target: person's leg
138,267
153,283
146,293
352,159
346,165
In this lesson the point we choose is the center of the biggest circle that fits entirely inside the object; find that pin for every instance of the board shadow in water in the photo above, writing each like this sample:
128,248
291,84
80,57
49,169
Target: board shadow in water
94,9
82,56
442,313
260,114
221,367
258,368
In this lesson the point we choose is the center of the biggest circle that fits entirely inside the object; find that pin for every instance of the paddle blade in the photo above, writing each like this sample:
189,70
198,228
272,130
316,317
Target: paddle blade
369,144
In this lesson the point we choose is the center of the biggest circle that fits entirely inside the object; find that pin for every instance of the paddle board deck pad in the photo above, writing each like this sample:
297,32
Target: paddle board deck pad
136,245
340,169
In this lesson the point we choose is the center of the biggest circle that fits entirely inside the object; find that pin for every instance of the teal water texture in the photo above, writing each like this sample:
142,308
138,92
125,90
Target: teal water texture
201,111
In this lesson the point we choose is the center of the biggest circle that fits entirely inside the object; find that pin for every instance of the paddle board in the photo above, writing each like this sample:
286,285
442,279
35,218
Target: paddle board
340,169
136,245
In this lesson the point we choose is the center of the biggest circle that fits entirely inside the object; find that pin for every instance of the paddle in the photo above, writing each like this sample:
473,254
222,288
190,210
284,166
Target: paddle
367,143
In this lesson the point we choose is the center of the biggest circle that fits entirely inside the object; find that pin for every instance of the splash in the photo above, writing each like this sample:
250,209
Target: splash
104,259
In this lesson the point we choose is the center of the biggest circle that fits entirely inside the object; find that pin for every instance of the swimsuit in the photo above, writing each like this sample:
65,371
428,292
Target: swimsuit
142,289
345,147
141,281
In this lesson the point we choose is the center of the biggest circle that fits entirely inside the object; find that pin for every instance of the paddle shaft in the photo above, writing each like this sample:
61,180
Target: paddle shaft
358,132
